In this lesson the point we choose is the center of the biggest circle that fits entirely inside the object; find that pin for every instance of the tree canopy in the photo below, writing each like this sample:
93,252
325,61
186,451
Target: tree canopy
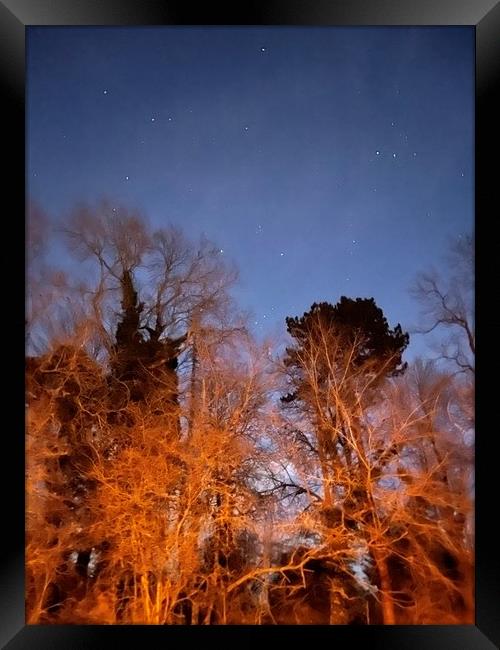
169,483
357,336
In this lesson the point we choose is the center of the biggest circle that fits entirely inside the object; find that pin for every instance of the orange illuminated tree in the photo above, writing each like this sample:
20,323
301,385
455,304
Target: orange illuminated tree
178,472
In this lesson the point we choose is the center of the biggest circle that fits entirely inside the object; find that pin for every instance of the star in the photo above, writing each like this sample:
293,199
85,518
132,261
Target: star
246,128
378,153
262,49
221,251
169,119
127,178
152,119
105,92
353,241
414,154
282,254
394,155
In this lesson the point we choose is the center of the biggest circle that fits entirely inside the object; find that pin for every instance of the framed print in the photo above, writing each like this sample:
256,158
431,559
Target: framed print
251,302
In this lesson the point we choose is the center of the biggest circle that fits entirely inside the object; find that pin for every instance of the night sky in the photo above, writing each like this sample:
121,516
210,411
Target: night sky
323,161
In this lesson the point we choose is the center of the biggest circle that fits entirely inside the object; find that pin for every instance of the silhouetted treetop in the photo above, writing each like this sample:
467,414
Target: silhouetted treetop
145,362
357,321
353,333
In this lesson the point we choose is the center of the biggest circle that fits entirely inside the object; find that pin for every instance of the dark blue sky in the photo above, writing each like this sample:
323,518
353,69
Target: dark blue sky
323,161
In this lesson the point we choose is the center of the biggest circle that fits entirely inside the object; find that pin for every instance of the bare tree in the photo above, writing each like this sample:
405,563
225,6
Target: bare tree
129,523
48,291
174,277
168,483
448,304
431,564
341,356
382,474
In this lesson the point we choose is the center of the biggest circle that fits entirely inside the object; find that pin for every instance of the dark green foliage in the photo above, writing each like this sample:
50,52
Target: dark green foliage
138,361
127,331
349,319
356,333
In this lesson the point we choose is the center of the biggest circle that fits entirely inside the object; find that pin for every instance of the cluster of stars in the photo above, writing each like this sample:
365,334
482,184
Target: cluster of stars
404,136
264,317
394,153
152,118
259,229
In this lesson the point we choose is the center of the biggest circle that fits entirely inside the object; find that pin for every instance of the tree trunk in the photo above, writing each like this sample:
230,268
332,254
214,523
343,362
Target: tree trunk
194,397
386,601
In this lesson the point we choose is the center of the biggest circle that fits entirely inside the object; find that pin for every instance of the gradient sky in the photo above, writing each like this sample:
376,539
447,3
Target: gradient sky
323,161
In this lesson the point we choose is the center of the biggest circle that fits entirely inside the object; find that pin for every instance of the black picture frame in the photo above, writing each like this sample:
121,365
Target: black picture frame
15,17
